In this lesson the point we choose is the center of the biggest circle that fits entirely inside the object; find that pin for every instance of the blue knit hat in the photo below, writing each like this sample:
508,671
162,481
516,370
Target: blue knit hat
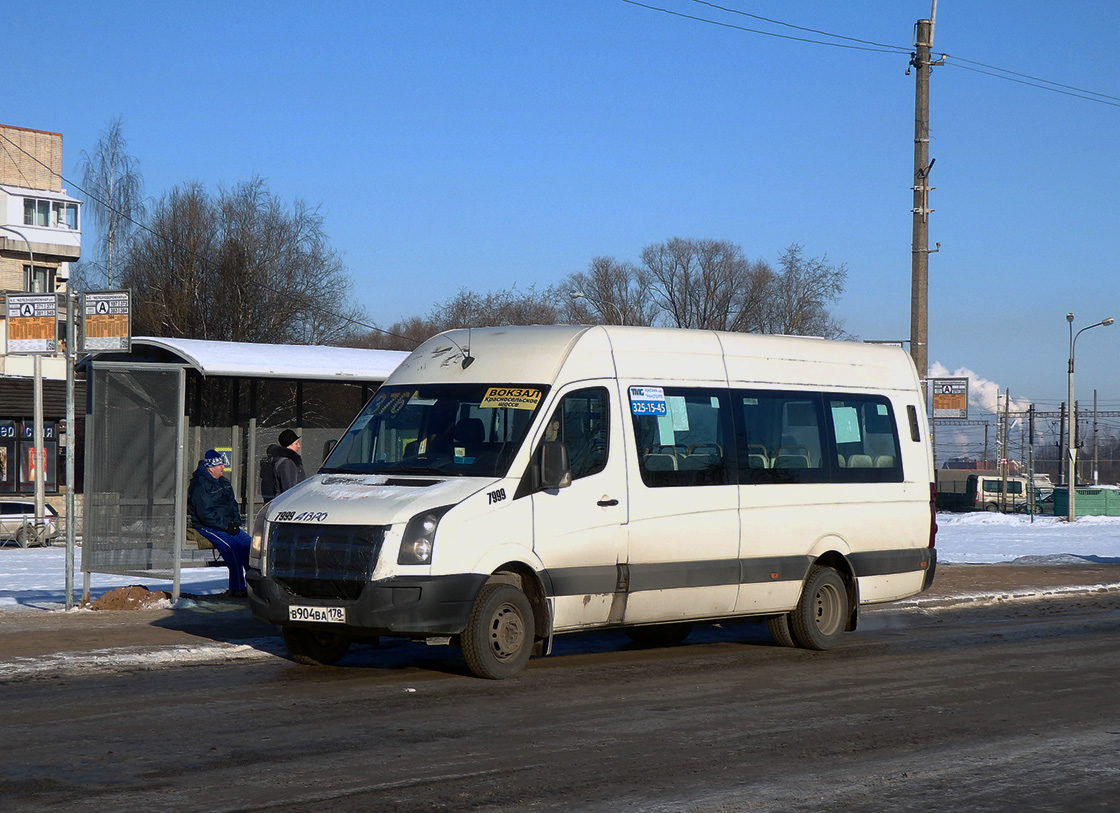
214,459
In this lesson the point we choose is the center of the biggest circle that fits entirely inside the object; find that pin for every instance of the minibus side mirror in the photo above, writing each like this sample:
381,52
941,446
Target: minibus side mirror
555,469
328,447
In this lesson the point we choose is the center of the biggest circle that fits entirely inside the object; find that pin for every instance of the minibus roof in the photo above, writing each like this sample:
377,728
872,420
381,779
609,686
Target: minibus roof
536,354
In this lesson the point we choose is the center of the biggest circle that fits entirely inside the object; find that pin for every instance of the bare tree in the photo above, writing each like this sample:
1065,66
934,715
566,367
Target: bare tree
114,199
239,267
701,284
471,309
802,294
610,292
710,284
497,308
706,284
406,334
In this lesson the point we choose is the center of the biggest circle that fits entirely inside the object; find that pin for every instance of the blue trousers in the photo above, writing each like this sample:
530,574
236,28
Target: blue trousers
234,549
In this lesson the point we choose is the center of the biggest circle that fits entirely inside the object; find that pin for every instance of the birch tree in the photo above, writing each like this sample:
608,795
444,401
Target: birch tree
114,191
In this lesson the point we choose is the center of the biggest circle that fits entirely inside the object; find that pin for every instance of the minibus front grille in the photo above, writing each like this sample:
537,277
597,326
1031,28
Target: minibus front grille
323,561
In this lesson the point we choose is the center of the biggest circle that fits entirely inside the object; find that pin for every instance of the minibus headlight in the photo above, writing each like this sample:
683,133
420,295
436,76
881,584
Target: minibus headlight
419,537
256,546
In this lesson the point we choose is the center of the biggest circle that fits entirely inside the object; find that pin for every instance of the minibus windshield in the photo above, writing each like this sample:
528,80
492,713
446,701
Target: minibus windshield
466,430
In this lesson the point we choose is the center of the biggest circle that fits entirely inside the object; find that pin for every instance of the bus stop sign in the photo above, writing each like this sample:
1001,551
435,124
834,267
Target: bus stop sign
32,323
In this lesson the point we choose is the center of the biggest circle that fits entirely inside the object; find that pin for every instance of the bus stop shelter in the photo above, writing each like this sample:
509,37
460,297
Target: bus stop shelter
153,412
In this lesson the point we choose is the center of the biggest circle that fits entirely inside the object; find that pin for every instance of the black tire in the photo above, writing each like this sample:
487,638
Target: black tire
780,631
22,538
821,614
314,647
659,634
499,635
992,508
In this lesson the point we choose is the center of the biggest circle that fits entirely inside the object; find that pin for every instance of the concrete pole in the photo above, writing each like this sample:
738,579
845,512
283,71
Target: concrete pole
919,273
71,448
1071,440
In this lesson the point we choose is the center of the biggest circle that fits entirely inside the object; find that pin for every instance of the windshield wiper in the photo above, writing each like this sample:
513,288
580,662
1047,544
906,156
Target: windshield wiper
417,470
349,468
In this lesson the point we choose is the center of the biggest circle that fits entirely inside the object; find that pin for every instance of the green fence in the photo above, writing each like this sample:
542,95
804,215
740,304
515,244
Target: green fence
1091,501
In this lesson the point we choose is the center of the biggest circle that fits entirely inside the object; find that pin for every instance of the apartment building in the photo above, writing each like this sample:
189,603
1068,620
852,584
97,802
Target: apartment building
40,235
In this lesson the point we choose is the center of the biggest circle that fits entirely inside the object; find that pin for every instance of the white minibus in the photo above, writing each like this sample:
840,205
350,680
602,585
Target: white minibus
508,484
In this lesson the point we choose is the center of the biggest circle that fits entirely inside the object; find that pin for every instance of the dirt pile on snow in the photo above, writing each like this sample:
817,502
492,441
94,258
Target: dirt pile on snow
133,597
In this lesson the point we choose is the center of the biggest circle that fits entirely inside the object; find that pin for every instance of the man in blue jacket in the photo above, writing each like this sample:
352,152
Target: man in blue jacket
216,515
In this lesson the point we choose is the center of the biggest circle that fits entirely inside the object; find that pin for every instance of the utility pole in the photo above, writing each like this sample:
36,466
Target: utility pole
1074,443
919,274
1063,469
1005,463
1096,467
1030,463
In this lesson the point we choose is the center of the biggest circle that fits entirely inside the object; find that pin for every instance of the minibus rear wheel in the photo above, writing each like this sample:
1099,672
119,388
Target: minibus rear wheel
314,648
498,638
818,620
780,631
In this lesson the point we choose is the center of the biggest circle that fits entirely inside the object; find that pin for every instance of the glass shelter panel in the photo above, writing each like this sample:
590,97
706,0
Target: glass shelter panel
131,483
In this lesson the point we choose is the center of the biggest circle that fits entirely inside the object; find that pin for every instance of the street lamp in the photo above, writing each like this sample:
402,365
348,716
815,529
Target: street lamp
599,305
1070,430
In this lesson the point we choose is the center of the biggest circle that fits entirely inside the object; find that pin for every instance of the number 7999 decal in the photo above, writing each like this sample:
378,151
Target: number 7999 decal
303,516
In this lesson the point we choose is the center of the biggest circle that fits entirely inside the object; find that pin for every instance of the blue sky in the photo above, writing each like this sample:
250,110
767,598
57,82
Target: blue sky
486,145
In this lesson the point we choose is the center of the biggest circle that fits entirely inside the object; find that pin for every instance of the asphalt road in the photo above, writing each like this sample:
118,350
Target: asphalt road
996,704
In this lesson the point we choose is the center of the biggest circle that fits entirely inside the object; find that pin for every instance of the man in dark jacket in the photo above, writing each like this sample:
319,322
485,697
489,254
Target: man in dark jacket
215,514
287,465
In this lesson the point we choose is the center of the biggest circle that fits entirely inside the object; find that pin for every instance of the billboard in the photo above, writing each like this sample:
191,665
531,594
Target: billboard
950,397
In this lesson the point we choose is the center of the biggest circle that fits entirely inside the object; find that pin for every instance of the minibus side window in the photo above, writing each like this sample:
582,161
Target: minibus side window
691,444
780,437
581,422
866,439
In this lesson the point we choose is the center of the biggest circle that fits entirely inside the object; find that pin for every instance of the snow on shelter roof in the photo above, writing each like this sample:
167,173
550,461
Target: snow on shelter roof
247,360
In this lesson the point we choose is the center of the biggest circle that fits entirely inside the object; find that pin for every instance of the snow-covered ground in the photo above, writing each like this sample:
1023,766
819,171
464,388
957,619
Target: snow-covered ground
35,578
984,538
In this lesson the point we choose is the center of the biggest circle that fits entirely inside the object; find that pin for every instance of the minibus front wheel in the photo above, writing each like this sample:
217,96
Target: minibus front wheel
498,638
314,648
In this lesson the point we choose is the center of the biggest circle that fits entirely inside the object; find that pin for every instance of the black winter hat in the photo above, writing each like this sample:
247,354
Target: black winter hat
287,438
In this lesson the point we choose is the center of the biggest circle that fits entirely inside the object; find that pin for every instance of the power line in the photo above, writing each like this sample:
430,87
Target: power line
899,49
878,47
1053,87
170,241
888,49
1027,76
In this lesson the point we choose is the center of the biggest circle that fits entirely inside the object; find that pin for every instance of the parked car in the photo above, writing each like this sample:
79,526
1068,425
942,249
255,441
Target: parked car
17,523
970,490
1043,502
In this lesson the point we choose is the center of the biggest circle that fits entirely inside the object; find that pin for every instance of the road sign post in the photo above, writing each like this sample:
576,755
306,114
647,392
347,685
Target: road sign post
33,330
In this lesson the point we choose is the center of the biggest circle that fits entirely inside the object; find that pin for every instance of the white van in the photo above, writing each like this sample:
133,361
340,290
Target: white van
508,484
970,490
